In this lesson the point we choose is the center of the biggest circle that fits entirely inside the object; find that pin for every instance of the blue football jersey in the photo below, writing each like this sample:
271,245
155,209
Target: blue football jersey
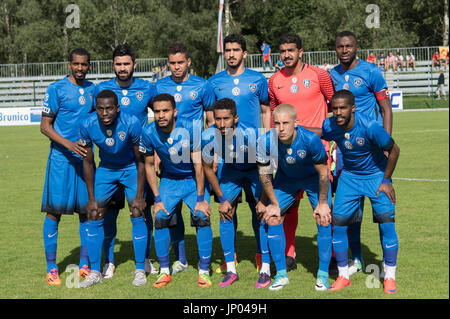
173,149
116,142
363,81
249,90
295,160
192,97
68,104
135,99
362,146
237,150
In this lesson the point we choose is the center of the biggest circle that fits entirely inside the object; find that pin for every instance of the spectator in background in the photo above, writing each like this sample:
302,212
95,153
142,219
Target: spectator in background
279,65
265,49
327,67
162,70
155,74
444,59
436,59
441,86
371,58
390,60
399,60
410,59
381,62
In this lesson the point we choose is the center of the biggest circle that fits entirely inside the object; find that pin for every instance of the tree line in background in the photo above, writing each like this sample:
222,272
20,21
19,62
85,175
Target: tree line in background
45,31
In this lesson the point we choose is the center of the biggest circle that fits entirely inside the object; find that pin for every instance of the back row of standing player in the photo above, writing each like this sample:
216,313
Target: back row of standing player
307,88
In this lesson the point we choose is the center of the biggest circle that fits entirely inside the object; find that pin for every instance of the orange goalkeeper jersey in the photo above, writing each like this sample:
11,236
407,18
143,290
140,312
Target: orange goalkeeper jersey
309,92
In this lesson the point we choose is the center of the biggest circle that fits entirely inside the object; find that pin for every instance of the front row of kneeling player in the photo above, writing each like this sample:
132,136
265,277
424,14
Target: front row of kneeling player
272,167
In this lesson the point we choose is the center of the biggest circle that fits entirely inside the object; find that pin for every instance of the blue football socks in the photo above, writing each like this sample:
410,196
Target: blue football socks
324,243
95,236
227,237
50,235
277,245
139,233
84,258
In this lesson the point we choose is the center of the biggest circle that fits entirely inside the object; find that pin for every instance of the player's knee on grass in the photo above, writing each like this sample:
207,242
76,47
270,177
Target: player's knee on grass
162,220
200,219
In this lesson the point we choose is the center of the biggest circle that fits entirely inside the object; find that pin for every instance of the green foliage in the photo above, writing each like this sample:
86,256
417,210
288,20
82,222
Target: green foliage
36,31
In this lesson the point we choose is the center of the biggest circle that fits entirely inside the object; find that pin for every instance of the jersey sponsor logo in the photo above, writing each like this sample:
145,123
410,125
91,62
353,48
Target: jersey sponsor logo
46,96
142,149
290,160
193,95
82,100
345,86
348,145
109,132
236,91
306,83
109,141
357,82
178,97
360,141
125,101
347,136
140,95
301,153
121,136
252,87
294,88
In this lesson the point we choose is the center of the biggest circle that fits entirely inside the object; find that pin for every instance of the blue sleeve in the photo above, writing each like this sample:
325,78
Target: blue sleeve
84,135
135,130
145,144
51,102
264,91
208,97
377,81
379,136
318,153
152,90
263,149
326,130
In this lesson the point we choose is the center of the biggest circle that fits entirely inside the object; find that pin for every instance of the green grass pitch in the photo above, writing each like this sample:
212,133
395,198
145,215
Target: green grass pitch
422,219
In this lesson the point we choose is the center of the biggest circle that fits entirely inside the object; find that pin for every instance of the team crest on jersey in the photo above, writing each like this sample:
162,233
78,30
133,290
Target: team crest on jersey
289,151
360,141
82,100
345,86
109,141
252,87
306,83
347,136
193,95
290,160
301,153
125,101
357,82
109,132
140,95
348,145
173,150
121,136
236,91
184,143
294,88
178,97
294,80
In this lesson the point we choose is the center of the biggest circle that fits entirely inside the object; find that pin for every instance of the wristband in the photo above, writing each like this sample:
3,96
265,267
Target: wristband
157,199
200,198
387,180
222,199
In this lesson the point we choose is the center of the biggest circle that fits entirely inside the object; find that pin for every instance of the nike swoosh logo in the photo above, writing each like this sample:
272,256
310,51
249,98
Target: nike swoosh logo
137,238
50,236
92,235
205,256
227,253
264,252
337,242
272,236
390,246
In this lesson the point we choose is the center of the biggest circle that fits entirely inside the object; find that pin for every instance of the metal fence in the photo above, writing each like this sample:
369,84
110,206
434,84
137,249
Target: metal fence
60,68
319,57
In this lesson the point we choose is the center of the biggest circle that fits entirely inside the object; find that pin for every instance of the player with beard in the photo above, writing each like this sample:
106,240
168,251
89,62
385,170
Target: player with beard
248,89
66,103
370,89
135,96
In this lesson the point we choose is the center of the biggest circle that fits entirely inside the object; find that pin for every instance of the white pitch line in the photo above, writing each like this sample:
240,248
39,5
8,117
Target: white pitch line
420,179
422,131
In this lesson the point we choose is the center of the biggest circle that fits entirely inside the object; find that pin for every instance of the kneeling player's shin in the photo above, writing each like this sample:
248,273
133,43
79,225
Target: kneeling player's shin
227,239
277,245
